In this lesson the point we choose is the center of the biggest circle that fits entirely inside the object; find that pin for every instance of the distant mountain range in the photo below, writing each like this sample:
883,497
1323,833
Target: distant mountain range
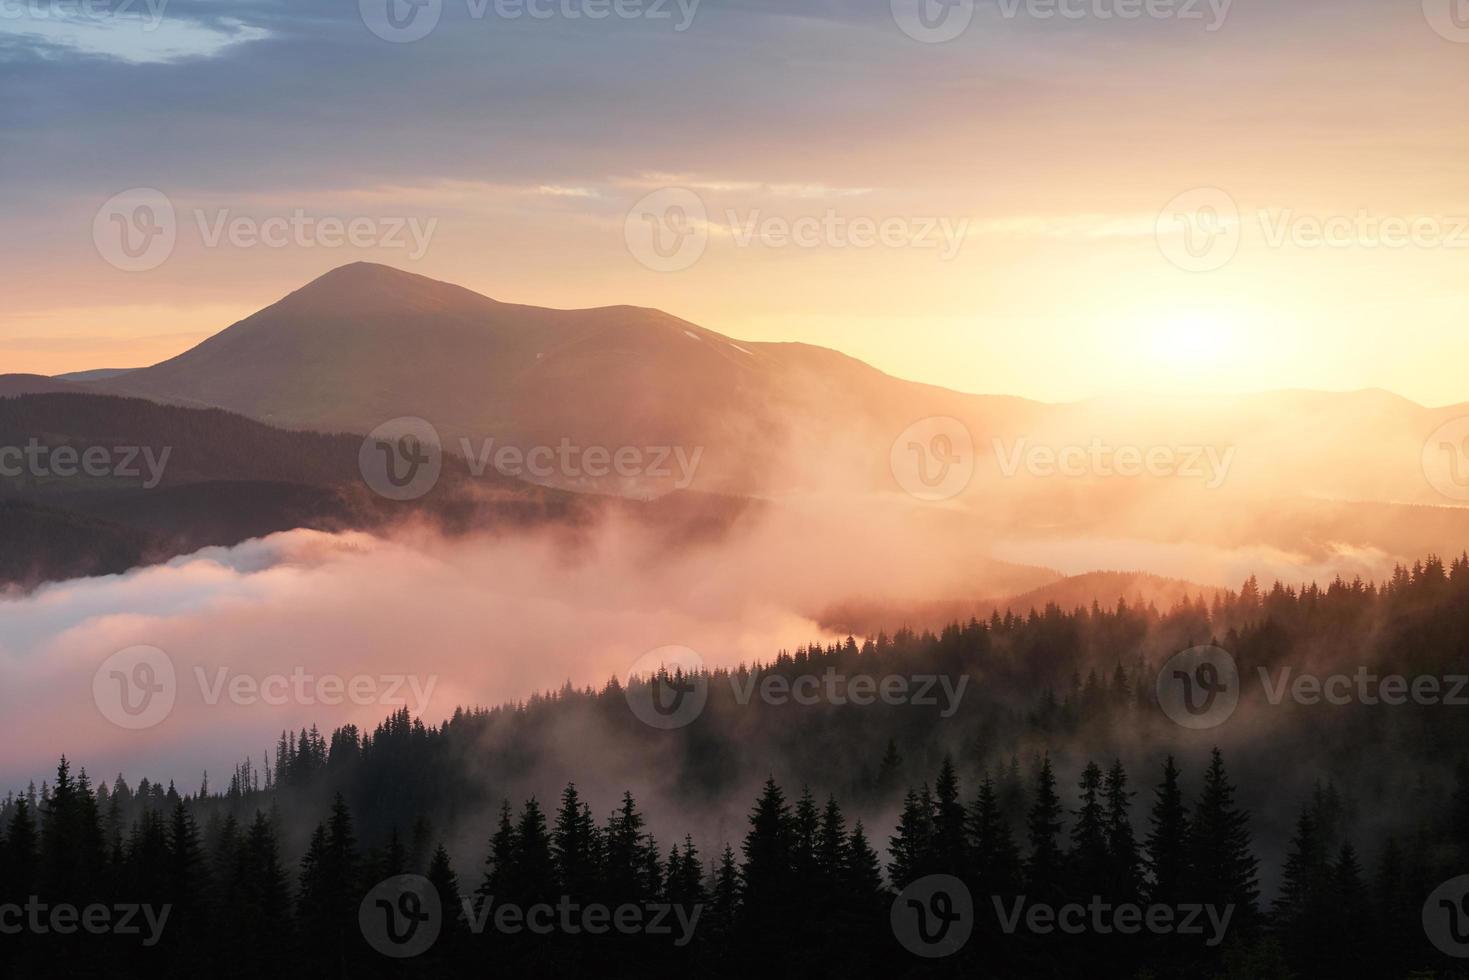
1303,475
226,478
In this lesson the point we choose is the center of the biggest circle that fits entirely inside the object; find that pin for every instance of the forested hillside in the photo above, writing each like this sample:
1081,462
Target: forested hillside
1031,782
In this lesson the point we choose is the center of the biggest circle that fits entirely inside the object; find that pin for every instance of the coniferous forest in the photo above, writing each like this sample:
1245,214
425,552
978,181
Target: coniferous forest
1045,818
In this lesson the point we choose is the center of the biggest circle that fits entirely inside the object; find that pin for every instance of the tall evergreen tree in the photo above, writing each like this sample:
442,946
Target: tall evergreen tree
912,847
996,859
533,879
1044,864
1168,840
1122,849
1091,864
951,842
500,870
766,873
1225,871
576,847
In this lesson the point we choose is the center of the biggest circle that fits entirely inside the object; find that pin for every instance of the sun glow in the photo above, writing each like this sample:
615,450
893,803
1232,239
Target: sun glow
1198,343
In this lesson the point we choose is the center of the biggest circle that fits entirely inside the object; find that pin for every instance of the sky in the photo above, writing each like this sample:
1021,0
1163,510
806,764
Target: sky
1052,198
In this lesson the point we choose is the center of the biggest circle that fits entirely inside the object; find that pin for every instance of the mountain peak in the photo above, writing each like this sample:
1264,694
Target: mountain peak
360,288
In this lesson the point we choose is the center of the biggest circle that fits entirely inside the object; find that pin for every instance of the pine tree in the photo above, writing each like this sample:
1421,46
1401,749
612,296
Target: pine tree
951,844
724,903
1089,857
1168,842
188,881
259,922
1043,866
1300,912
1122,849
19,870
63,872
831,849
500,862
996,867
1225,872
766,874
685,876
889,772
862,877
534,877
441,875
1354,936
805,834
912,847
331,891
575,847
630,857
